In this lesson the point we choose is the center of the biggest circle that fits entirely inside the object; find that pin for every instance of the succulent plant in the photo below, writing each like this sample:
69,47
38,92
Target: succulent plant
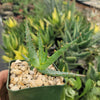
45,30
93,74
72,88
82,49
10,44
13,38
39,59
59,12
11,22
85,88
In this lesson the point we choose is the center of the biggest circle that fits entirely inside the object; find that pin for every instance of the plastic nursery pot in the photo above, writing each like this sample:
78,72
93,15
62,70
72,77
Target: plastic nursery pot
36,93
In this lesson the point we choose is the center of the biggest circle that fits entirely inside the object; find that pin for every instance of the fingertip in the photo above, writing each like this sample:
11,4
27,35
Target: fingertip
3,76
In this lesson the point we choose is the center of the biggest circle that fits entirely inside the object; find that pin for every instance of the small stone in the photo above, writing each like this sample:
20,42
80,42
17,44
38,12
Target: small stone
60,83
43,78
27,85
26,72
52,67
33,84
12,65
23,68
35,71
23,87
57,79
24,63
37,82
20,83
20,78
26,81
15,88
12,76
38,73
11,85
61,78
46,84
14,80
12,71
52,82
31,72
17,61
17,72
50,78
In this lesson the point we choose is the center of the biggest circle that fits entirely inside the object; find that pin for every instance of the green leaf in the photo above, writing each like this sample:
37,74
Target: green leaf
84,44
91,72
98,82
98,63
88,86
82,54
41,49
90,96
59,73
56,55
78,83
32,54
96,91
71,59
69,92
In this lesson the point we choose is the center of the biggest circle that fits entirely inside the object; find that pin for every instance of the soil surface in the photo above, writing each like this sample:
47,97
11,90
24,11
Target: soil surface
23,77
3,65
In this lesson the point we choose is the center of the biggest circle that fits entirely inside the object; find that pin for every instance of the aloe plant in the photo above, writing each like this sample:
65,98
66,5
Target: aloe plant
60,11
47,33
67,24
82,49
40,60
52,25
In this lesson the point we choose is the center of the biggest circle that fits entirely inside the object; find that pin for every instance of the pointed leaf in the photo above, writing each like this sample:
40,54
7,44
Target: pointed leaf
59,73
56,55
31,49
88,86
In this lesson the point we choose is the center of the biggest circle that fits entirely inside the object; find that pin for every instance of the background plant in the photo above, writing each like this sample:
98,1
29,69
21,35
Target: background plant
76,25
22,8
13,40
55,24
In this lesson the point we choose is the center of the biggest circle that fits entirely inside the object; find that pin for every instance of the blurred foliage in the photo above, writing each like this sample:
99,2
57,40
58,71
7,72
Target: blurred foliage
13,39
58,23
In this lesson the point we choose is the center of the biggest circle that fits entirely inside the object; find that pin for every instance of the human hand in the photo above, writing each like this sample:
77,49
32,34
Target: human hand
3,90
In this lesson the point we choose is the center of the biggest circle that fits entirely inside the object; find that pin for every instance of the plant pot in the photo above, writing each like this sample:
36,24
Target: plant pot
36,93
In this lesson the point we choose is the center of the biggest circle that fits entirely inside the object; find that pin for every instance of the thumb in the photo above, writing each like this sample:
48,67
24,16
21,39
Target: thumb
3,77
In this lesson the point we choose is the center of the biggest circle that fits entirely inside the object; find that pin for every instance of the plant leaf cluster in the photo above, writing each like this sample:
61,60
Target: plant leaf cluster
38,58
57,33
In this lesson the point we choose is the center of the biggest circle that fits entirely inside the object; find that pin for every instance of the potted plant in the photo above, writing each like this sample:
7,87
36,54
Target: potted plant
38,62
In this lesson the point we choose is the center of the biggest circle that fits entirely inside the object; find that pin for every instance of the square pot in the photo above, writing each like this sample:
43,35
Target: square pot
36,93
